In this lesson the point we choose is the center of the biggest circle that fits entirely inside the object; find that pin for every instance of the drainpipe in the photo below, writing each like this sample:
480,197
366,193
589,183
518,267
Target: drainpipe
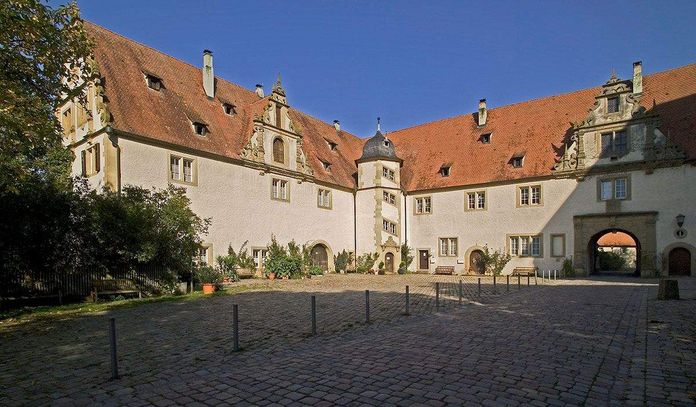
355,228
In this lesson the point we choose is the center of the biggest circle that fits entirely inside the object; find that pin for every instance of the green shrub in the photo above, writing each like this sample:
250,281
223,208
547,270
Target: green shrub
610,261
227,267
494,261
241,258
406,259
381,265
365,262
316,271
208,275
568,270
343,260
285,262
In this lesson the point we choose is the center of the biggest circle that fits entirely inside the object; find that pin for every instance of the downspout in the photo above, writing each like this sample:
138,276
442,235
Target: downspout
355,228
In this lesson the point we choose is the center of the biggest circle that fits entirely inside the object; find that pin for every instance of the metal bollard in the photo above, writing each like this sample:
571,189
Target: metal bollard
479,286
367,306
507,283
112,343
461,291
314,315
555,277
495,287
437,296
535,276
518,281
235,328
408,305
527,280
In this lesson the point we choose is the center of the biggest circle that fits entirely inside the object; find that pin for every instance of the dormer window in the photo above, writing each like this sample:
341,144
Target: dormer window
229,108
153,82
613,104
445,170
486,138
333,146
517,161
200,128
327,165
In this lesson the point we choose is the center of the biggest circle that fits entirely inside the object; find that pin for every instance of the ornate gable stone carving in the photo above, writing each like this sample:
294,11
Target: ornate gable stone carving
254,149
301,160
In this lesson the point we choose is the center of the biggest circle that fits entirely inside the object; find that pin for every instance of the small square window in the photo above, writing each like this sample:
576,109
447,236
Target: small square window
486,138
613,104
229,109
445,171
200,128
517,162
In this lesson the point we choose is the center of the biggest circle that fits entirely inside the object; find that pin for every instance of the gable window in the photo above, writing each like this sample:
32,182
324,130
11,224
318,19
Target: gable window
486,138
324,198
91,160
389,227
389,197
229,108
613,104
529,195
614,188
153,82
200,128
259,256
181,169
445,170
525,245
614,143
279,189
448,246
518,161
387,173
424,205
279,150
476,200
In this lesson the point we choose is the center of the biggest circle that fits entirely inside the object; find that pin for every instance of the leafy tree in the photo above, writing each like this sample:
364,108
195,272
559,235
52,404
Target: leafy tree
44,55
343,260
495,261
365,262
406,258
284,261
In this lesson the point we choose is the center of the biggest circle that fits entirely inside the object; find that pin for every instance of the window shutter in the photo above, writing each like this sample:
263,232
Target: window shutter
83,153
97,158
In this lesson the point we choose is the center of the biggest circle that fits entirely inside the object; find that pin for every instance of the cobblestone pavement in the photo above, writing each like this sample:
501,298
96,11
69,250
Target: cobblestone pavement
591,342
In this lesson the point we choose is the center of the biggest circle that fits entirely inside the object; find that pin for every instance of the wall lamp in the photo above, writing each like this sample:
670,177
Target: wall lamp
680,220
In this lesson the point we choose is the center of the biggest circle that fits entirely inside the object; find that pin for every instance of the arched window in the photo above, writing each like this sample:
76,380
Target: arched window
279,150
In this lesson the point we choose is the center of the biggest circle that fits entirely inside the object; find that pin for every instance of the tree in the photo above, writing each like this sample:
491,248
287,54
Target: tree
495,261
406,258
44,54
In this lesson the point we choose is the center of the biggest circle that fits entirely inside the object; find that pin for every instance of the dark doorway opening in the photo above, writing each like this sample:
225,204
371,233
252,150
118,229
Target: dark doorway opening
475,265
320,257
614,252
679,262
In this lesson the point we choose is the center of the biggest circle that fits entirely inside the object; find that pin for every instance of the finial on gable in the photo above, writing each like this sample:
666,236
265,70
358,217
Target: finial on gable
378,125
278,86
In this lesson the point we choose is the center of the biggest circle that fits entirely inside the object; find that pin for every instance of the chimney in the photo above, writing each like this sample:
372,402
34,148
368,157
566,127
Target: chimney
208,75
482,112
337,125
638,77
259,90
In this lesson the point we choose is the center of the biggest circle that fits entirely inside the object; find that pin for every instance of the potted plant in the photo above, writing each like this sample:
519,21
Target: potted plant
209,278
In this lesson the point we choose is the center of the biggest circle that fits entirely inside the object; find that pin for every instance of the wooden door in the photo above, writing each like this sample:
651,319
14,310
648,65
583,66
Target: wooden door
320,257
423,259
389,263
679,262
474,262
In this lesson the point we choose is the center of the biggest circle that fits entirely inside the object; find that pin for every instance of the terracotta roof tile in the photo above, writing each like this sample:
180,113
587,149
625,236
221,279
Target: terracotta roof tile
616,239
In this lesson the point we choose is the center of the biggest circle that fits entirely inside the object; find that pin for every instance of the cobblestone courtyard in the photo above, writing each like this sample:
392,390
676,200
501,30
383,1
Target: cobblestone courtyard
592,342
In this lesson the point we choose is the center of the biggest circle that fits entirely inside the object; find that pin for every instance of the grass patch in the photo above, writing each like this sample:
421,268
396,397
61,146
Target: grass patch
55,312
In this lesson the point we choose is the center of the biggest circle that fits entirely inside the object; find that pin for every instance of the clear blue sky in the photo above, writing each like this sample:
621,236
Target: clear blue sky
406,61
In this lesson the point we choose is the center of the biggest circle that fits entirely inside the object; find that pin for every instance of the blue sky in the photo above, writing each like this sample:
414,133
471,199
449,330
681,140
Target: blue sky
406,61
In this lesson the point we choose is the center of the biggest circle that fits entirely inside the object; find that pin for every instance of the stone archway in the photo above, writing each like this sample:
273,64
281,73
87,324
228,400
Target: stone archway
640,225
605,243
322,255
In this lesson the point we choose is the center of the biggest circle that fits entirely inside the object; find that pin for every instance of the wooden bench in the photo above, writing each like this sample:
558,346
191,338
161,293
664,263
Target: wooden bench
524,271
444,270
114,287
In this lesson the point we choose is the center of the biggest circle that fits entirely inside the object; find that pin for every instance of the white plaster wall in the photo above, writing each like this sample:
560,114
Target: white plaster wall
238,200
365,221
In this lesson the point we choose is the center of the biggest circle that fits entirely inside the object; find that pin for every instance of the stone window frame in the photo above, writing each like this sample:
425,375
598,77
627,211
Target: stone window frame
287,190
612,178
423,200
564,250
260,262
476,194
449,241
208,247
618,104
182,158
518,198
388,225
529,237
388,173
321,204
392,200
90,158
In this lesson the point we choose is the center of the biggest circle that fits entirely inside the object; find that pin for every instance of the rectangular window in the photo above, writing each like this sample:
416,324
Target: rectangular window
614,188
557,245
448,246
613,104
279,189
389,198
620,142
389,227
91,160
182,169
324,198
476,200
188,170
203,255
424,205
259,256
175,168
620,188
526,245
387,173
481,200
606,190
614,143
530,195
67,121
471,200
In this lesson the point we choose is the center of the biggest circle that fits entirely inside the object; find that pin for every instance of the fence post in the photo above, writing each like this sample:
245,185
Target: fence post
461,293
367,306
479,286
191,281
112,343
507,283
314,315
235,328
408,306
437,296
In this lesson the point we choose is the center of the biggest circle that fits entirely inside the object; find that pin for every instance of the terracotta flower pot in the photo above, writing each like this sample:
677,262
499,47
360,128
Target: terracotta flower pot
208,288
271,276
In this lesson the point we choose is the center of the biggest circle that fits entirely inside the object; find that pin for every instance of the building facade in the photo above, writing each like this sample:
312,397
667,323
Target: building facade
542,180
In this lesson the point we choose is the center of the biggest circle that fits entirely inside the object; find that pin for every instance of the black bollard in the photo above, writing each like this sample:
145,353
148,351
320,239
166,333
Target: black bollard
314,315
367,306
235,328
408,305
479,286
437,296
461,291
507,283
112,343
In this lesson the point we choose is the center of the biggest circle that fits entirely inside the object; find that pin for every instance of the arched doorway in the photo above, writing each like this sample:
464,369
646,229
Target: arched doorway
320,256
679,262
389,262
475,265
615,252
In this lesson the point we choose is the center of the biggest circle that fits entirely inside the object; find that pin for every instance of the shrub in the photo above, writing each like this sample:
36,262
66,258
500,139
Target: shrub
316,271
494,261
610,261
406,259
241,258
227,267
568,270
285,262
364,262
381,265
208,275
343,260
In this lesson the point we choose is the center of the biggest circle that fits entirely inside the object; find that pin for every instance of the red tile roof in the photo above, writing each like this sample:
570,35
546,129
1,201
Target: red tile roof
536,128
166,115
616,239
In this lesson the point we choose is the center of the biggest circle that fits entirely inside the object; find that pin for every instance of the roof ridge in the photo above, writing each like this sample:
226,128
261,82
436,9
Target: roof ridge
540,98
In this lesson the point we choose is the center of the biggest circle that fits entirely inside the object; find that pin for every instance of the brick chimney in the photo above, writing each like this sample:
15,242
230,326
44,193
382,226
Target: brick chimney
482,112
208,75
259,90
638,77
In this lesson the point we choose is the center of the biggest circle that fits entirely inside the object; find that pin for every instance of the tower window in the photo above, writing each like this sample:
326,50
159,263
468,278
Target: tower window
200,128
387,173
153,82
229,109
613,104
